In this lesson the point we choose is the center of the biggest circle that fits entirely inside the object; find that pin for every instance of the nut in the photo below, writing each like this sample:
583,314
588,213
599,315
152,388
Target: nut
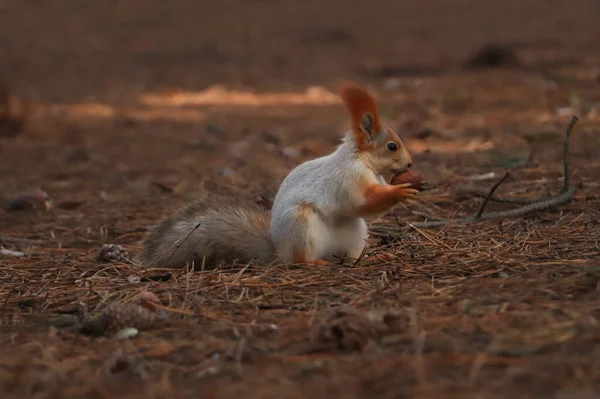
412,177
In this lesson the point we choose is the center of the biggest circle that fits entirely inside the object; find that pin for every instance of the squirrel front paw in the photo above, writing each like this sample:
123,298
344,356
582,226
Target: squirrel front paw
404,191
411,177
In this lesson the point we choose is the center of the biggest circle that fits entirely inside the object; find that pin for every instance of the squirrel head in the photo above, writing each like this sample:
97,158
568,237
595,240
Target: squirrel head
378,145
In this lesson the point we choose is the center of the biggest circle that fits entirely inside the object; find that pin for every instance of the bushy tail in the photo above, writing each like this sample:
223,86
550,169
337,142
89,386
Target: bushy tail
209,231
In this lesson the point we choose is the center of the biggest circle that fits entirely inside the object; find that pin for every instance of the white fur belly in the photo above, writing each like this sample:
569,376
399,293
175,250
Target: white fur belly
347,240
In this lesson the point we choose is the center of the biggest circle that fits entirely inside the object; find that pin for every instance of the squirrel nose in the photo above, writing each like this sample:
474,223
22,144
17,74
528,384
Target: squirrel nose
409,165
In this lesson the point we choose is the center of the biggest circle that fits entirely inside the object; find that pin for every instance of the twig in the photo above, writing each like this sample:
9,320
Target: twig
490,194
567,184
517,201
520,211
361,256
239,353
20,241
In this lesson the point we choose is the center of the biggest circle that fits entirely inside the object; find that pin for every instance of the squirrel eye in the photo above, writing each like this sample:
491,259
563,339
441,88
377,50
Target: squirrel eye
392,147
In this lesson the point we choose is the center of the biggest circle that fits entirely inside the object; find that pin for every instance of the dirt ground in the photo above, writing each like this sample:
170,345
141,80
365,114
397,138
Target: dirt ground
134,107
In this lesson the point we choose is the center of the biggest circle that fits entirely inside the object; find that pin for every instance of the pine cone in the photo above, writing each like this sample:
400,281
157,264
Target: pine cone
118,316
113,252
349,329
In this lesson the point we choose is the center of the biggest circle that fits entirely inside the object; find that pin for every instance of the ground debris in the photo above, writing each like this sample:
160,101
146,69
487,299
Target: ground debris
492,55
123,364
13,113
351,329
118,316
495,309
524,343
141,315
8,252
33,199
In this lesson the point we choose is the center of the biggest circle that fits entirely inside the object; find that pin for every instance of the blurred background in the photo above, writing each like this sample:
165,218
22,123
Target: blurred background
71,50
142,100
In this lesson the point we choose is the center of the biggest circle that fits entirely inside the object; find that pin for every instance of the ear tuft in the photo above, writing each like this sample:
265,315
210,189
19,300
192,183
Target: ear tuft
363,112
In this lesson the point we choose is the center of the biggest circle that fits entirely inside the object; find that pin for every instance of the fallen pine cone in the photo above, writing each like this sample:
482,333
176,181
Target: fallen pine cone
118,316
350,329
113,252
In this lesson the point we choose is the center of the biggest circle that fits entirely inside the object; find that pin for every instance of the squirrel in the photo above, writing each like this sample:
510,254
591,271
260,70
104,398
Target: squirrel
317,214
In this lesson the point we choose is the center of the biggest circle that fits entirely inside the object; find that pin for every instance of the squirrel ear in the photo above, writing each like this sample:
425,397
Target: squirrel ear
363,112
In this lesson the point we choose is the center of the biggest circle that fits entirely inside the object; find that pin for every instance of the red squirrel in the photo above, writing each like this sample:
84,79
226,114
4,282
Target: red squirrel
317,215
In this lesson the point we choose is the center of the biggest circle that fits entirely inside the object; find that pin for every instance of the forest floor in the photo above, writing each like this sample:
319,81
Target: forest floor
134,108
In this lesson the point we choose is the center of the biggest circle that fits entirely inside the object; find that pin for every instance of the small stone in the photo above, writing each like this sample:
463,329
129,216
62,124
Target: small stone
12,254
271,138
227,172
290,152
134,279
127,333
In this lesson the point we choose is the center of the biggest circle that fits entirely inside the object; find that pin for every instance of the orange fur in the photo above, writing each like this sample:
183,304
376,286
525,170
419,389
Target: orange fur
380,198
301,258
306,210
359,102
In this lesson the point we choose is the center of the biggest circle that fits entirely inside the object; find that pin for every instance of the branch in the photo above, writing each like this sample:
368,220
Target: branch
567,184
539,205
505,200
490,194
564,196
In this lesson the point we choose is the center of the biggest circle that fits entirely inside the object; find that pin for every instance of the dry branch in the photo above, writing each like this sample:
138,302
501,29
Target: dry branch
490,195
505,200
539,205
565,195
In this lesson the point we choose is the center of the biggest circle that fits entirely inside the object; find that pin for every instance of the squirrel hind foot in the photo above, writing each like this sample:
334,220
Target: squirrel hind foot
301,258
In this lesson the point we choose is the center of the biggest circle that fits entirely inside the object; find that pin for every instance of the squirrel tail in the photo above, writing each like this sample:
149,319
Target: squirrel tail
209,231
